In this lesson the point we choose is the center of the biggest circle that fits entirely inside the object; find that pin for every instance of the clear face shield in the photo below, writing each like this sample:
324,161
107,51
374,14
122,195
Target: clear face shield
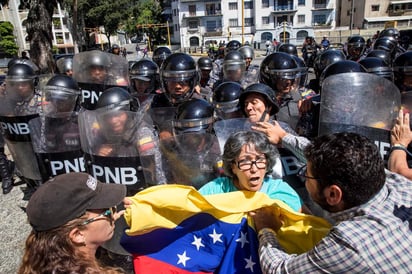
19,89
285,81
228,110
58,100
355,51
234,71
178,85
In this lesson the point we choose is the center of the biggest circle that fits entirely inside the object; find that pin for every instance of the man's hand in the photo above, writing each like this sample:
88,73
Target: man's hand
401,132
267,217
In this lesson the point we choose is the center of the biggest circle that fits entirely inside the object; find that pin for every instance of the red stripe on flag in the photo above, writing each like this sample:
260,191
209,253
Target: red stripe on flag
147,265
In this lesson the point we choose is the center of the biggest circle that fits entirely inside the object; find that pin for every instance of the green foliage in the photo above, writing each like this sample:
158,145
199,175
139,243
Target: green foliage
7,41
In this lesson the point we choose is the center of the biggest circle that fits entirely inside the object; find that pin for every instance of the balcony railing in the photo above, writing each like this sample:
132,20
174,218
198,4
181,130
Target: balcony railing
320,6
283,7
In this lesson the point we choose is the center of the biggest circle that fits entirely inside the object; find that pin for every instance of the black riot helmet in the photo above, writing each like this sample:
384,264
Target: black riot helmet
402,68
205,63
303,70
232,45
60,95
28,62
65,65
382,54
160,54
115,99
386,43
234,66
195,115
341,67
247,52
326,58
278,67
144,70
390,32
179,69
377,66
356,46
262,89
20,82
226,100
288,48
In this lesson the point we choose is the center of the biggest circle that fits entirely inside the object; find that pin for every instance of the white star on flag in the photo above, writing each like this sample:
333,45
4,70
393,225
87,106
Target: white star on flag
183,258
249,263
197,242
216,237
242,239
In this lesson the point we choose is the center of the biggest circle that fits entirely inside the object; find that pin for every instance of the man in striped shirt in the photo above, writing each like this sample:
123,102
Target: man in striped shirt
371,207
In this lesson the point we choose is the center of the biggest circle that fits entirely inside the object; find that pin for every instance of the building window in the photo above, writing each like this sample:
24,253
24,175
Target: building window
249,22
301,2
375,7
174,12
319,19
176,28
233,23
211,26
192,24
248,5
192,10
301,19
265,3
233,6
265,20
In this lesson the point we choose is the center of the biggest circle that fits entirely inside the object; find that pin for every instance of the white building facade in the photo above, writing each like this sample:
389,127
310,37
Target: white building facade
196,22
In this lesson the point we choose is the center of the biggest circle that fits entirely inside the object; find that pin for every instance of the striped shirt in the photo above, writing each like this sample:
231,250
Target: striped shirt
375,237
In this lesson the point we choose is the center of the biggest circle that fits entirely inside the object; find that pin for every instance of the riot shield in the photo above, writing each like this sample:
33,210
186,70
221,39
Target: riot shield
162,119
119,147
15,114
96,71
361,103
56,143
225,128
190,158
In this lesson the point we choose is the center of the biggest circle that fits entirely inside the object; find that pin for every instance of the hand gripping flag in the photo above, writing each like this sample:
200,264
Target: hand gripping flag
174,229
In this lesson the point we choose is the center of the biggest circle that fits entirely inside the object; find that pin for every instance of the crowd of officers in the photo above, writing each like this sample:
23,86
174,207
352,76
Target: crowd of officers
196,94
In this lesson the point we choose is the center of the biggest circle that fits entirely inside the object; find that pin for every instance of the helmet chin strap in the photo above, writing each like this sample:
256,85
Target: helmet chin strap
262,118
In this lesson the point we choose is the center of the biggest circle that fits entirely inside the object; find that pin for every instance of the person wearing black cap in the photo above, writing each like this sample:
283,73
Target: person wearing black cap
71,216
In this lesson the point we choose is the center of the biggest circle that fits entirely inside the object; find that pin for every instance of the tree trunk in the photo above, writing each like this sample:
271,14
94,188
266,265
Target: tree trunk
39,30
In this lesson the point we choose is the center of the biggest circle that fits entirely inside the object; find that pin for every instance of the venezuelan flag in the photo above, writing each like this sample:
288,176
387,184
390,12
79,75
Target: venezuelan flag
174,229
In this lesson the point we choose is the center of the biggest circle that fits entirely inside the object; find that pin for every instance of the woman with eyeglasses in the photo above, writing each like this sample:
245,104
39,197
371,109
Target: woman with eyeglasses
248,158
71,216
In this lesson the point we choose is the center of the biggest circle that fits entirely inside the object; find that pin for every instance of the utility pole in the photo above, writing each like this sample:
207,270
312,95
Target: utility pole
352,11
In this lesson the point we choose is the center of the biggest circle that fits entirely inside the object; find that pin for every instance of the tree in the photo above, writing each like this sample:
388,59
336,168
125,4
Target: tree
39,30
7,42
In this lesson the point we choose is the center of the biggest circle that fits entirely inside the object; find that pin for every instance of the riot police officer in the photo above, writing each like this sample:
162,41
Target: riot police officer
115,49
205,65
55,134
143,77
288,48
281,72
402,67
21,103
252,71
234,67
160,54
178,78
382,54
65,65
377,66
195,115
226,100
217,72
356,46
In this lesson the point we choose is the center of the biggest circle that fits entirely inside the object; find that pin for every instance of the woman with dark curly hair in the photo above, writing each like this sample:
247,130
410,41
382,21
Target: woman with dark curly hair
248,158
71,216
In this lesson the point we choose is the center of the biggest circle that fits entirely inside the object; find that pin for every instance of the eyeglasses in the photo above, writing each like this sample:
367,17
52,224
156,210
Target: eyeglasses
244,165
109,213
302,173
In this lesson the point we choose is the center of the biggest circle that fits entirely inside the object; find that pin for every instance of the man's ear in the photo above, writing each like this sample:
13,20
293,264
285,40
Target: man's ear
333,195
77,236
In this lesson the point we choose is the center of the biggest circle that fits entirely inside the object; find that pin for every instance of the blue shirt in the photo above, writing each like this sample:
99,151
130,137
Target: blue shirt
275,189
